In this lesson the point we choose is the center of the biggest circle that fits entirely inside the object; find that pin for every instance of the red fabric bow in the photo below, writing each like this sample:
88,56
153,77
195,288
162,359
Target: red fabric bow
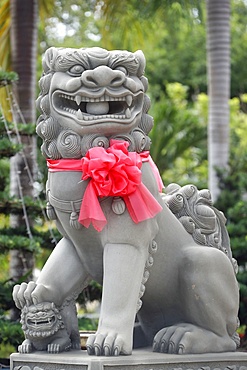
112,172
115,172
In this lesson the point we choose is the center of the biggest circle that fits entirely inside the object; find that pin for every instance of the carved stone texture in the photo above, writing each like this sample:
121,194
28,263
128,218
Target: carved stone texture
234,367
105,193
194,209
140,360
48,329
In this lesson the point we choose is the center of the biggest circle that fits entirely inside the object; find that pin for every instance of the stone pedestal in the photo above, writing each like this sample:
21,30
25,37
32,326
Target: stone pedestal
140,360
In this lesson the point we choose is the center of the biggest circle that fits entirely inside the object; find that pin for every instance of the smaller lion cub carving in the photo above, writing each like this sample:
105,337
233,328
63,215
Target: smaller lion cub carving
45,330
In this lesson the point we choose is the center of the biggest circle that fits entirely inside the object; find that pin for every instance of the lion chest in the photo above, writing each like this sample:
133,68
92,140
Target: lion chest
66,185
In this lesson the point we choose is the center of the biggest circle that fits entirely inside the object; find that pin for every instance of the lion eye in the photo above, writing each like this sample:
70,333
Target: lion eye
122,69
76,70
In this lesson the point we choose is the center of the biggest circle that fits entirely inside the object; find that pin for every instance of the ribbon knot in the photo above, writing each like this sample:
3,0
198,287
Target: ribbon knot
113,172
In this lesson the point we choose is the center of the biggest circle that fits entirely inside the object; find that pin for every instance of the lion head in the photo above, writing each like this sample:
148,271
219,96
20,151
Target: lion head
41,320
89,96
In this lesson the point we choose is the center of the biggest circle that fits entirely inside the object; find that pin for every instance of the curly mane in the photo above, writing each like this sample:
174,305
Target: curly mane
59,142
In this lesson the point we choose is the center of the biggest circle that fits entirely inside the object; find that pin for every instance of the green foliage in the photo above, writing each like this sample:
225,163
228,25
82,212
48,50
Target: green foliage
178,137
16,238
5,352
6,288
73,23
8,149
10,333
237,228
173,37
13,238
8,243
7,78
23,128
238,39
6,301
13,205
4,33
233,201
181,57
87,324
4,263
90,293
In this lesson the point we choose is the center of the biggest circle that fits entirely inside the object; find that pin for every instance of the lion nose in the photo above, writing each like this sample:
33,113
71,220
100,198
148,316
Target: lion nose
102,76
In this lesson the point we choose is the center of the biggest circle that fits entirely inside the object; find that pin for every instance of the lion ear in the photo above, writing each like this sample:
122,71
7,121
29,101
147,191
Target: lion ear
142,62
49,59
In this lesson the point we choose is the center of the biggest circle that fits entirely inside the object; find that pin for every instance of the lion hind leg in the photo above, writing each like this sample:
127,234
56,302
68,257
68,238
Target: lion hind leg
209,305
209,291
187,338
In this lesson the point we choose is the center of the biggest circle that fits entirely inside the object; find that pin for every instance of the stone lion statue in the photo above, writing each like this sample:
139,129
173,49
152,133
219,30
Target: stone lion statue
47,328
163,256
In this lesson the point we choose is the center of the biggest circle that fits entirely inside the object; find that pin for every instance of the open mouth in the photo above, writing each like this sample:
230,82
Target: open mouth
47,322
91,109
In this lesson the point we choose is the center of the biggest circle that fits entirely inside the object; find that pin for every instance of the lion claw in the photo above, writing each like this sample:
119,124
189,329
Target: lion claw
25,348
53,348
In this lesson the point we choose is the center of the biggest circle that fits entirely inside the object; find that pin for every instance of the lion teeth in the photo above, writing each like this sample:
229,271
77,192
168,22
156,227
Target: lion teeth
78,109
79,114
78,99
128,113
129,100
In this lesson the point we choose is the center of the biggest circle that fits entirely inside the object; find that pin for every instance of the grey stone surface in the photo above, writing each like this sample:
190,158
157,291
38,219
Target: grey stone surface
143,359
163,256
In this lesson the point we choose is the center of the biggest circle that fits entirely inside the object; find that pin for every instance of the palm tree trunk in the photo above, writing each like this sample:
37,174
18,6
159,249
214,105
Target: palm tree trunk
24,37
24,18
218,53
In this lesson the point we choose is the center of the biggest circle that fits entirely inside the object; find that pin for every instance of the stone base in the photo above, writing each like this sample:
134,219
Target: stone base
143,359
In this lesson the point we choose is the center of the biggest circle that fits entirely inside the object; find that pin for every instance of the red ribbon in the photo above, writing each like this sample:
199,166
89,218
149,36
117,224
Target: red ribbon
112,172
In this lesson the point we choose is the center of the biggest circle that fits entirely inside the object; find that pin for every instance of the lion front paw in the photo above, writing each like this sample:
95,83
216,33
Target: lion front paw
25,347
76,345
107,345
59,345
54,348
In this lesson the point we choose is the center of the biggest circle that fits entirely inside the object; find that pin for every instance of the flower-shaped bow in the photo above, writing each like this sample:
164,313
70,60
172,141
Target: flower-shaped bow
115,172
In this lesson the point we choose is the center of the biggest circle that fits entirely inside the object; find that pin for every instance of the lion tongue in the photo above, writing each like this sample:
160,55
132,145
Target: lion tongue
97,108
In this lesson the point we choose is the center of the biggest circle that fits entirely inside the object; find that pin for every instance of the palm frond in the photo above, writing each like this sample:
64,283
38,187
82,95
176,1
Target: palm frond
5,35
46,8
5,59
